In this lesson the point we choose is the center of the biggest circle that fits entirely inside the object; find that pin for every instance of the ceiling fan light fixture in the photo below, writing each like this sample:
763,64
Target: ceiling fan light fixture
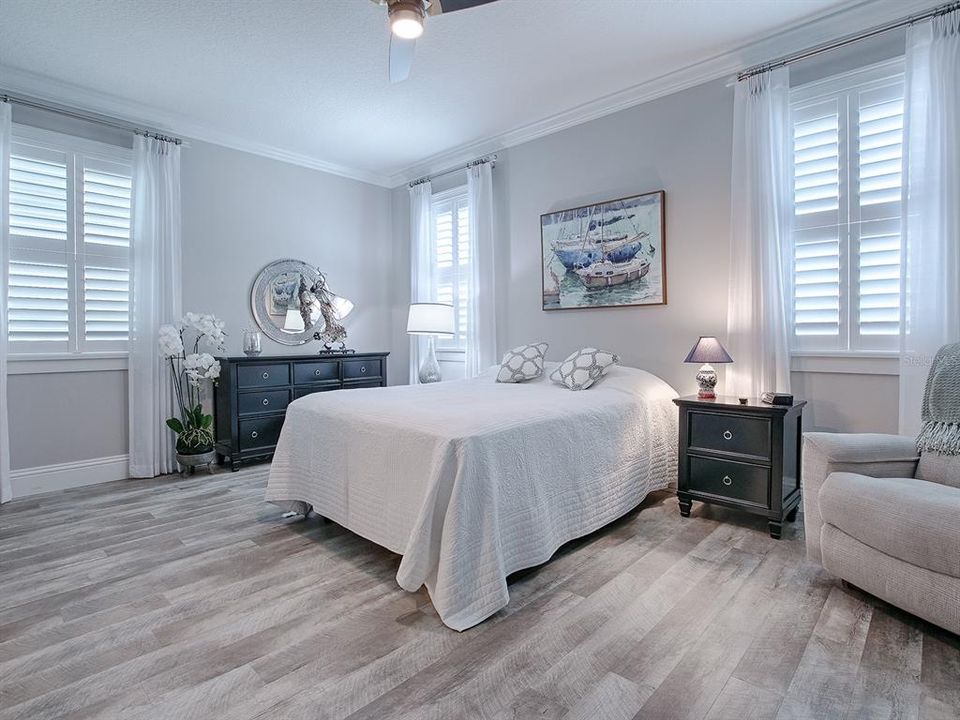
406,19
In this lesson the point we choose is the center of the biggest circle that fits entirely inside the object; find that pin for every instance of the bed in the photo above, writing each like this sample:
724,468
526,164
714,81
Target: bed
472,480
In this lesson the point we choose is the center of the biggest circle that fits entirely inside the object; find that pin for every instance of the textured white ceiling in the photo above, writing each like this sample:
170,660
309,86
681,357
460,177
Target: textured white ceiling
310,76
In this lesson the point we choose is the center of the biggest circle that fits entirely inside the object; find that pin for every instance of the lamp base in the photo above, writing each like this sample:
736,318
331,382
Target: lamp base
430,368
707,381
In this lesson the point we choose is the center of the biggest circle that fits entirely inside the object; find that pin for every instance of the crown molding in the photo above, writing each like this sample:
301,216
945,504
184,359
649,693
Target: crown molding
15,81
854,17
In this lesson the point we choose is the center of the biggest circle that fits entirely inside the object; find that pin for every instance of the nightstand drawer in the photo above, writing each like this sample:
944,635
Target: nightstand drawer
736,481
251,376
266,401
730,433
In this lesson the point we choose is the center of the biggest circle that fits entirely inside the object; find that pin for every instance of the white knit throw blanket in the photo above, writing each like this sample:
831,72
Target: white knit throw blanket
941,404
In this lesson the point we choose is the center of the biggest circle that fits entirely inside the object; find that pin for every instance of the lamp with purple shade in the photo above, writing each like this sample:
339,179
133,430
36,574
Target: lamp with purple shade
707,350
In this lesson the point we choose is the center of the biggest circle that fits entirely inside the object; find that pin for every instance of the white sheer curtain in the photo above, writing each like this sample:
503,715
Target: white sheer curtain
6,489
759,289
481,343
156,301
931,205
421,265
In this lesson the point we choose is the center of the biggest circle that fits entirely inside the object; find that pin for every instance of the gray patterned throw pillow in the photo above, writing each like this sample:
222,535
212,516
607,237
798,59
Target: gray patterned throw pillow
583,368
524,362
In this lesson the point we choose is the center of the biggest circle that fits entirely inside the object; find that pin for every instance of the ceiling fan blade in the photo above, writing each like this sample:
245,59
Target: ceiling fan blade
401,58
448,6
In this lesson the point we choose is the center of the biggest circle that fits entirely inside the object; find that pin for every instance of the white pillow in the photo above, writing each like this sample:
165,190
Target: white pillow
583,368
524,362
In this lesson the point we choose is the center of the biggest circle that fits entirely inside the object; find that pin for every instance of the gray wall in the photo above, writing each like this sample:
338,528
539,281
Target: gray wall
240,211
66,417
680,144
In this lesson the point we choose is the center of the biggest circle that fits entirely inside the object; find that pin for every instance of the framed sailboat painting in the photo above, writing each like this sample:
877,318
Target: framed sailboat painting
608,254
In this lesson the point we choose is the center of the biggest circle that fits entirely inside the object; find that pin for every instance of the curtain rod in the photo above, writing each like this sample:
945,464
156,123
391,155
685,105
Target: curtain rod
30,102
847,40
492,159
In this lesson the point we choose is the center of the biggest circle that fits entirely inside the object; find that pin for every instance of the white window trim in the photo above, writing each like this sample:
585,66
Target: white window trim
844,361
34,363
855,363
44,363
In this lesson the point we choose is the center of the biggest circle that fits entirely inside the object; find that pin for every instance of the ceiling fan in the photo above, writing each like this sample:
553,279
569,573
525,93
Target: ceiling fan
406,25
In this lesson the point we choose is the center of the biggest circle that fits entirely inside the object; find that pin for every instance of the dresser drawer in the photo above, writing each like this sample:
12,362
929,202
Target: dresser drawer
359,369
361,384
265,401
736,481
260,432
304,391
730,433
311,372
254,376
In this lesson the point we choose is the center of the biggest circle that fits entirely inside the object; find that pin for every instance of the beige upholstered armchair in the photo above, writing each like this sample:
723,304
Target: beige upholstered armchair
884,516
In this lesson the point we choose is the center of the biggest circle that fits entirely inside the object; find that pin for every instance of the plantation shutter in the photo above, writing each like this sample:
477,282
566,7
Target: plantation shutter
847,141
69,265
106,254
451,229
819,219
880,166
39,308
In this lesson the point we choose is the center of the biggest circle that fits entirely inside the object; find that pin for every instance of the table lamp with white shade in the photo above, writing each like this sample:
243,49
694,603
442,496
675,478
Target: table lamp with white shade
433,320
707,350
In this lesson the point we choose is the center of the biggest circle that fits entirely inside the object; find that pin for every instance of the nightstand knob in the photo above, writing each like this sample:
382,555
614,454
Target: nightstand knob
363,369
266,401
727,435
265,375
254,434
726,480
317,372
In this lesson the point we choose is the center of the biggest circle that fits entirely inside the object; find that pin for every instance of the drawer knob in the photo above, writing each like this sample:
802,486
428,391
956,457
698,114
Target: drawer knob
727,435
726,480
363,369
265,376
266,401
254,434
317,372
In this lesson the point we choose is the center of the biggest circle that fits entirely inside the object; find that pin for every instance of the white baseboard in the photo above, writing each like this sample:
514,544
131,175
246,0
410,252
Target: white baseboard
47,478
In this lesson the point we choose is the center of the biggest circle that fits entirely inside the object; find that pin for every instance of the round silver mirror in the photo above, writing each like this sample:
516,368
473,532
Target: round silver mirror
282,305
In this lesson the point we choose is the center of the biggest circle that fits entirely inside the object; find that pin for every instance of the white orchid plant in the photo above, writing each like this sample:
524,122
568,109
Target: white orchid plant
191,373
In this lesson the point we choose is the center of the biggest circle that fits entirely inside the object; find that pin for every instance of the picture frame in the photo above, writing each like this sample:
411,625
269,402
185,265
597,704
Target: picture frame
605,254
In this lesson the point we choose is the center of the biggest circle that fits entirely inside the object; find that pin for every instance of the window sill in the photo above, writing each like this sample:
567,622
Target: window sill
39,364
865,363
451,355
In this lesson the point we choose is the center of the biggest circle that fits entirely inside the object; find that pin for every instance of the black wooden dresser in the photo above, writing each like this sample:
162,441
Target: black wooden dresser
252,395
741,456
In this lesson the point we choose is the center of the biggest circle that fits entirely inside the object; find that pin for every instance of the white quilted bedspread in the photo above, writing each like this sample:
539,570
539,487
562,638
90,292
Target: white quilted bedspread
472,480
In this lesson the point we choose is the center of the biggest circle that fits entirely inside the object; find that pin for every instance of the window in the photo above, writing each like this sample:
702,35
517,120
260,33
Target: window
451,242
847,143
69,271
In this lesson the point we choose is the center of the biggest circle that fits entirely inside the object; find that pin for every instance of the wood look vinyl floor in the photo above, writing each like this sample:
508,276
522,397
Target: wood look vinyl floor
193,598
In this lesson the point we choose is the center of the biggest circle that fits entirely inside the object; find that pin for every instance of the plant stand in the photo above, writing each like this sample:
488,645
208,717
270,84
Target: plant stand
187,463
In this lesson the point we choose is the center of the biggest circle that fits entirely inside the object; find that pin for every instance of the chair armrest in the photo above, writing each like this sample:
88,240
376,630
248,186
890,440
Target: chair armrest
869,454
863,448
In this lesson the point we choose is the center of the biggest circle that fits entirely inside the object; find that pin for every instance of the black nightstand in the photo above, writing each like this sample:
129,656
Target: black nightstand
741,456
